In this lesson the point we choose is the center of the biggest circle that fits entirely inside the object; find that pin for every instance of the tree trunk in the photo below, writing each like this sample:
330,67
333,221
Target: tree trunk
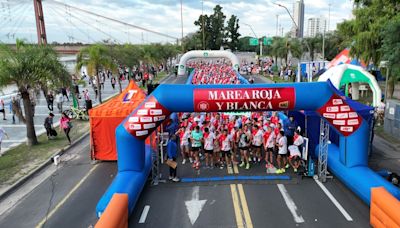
119,83
30,126
98,87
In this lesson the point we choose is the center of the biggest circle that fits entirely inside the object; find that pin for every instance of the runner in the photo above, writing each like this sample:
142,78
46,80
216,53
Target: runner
257,142
243,143
226,147
209,138
196,138
295,154
184,134
269,143
282,152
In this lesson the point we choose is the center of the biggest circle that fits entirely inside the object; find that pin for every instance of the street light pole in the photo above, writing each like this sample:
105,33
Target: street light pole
202,19
287,10
182,26
260,41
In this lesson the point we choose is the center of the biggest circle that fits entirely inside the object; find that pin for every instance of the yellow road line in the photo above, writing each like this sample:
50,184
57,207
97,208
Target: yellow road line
52,212
245,208
235,168
236,206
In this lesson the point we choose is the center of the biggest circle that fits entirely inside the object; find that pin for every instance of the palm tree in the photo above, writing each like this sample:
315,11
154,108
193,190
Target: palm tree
28,66
95,57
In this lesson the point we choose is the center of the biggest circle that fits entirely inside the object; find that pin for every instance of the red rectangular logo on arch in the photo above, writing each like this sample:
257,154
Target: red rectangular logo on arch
214,100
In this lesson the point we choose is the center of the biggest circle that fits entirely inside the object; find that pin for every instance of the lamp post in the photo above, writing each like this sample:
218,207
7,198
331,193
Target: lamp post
182,26
287,10
202,21
259,40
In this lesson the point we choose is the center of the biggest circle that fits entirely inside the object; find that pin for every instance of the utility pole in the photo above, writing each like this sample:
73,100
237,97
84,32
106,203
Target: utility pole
40,26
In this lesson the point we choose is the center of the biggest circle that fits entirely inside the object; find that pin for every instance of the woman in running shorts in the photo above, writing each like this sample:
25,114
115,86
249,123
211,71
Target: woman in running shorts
243,144
257,142
269,144
226,147
209,138
217,148
282,152
184,134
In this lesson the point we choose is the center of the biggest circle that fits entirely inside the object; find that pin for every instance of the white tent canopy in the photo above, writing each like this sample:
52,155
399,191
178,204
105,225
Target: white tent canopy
207,54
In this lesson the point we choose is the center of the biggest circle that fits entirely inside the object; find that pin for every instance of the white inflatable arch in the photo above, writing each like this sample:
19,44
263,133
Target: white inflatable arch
347,73
206,54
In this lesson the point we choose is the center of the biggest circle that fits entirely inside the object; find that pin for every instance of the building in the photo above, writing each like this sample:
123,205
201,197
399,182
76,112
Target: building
298,16
316,26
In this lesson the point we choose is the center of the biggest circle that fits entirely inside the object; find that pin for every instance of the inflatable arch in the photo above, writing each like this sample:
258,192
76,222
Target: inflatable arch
348,161
346,73
206,54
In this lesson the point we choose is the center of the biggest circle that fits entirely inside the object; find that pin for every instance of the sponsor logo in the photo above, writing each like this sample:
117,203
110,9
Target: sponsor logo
284,104
150,104
133,119
142,133
337,101
342,116
155,112
148,126
329,115
339,122
135,126
345,108
128,96
347,129
332,109
142,112
353,115
161,118
203,106
353,122
146,119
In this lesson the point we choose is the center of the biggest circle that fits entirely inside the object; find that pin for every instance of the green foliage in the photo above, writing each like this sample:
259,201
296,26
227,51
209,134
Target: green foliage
232,33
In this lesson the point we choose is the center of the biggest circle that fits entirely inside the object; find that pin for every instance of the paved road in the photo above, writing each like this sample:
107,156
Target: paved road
70,202
17,132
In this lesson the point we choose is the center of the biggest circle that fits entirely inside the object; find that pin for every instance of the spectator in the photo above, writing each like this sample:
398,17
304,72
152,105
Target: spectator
48,125
64,93
113,82
66,125
2,134
172,152
2,109
50,101
59,101
291,128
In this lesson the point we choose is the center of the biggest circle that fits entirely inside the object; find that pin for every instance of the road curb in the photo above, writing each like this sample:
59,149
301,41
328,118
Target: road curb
49,161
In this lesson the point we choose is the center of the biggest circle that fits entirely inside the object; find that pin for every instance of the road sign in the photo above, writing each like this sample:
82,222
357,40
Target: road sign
253,42
267,41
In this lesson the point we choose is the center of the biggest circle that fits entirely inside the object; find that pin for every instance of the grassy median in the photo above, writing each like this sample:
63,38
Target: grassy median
21,160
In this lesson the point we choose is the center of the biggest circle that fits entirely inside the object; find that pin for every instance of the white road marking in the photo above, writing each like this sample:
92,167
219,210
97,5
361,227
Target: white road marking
144,214
290,204
334,201
20,125
194,206
14,140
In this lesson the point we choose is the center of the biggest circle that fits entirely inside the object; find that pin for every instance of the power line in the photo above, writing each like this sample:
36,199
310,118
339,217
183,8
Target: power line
114,20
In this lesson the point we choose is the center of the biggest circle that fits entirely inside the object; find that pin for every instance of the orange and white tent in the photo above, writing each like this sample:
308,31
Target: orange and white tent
105,118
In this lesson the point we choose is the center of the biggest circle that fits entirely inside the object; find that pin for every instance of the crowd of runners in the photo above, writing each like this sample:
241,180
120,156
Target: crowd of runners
219,140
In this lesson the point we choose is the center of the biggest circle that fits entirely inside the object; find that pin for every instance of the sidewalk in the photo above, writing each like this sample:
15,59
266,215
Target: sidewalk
385,155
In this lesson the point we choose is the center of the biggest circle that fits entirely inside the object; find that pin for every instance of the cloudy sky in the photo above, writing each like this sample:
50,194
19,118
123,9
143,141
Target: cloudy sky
65,24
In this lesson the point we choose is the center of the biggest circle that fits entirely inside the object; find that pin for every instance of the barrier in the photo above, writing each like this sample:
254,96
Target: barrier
116,214
385,209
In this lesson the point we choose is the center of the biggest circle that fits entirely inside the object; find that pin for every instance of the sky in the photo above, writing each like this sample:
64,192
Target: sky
64,24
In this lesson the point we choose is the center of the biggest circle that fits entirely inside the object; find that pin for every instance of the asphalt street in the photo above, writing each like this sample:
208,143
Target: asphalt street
17,132
69,194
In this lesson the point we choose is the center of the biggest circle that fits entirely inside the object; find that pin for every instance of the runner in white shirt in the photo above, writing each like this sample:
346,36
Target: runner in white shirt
209,138
184,134
269,144
226,147
257,142
295,154
282,153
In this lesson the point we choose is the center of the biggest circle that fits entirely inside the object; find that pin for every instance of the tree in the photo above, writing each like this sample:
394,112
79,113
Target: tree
244,44
95,57
391,51
232,35
313,44
27,66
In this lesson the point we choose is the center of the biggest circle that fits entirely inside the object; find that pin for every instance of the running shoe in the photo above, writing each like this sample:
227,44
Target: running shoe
259,160
283,170
248,166
295,170
184,161
287,166
176,179
170,178
241,164
278,171
191,160
221,167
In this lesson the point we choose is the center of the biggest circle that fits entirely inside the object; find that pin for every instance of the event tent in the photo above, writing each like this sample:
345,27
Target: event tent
105,118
